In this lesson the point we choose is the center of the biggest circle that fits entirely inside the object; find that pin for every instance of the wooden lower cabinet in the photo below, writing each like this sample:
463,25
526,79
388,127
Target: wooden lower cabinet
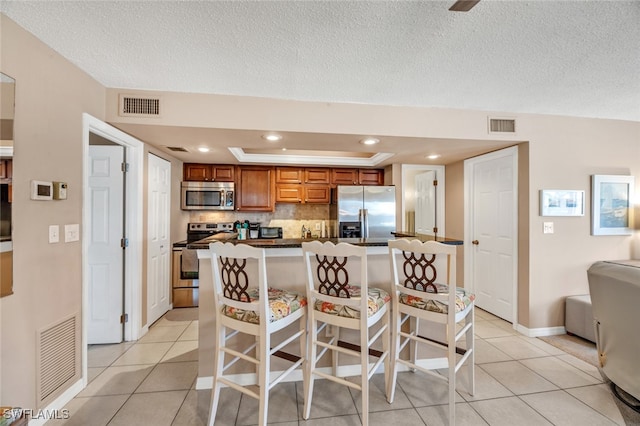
185,297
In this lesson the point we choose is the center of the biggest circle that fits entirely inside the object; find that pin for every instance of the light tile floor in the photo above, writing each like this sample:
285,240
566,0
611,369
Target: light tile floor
519,381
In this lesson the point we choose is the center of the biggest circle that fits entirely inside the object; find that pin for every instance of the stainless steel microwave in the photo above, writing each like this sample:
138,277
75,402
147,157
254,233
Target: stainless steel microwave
207,196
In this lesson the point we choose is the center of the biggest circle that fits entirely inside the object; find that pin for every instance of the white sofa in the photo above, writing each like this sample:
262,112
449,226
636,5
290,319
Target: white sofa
615,296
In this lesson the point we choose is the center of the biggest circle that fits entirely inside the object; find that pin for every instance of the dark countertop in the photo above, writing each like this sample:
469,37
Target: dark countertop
423,237
297,242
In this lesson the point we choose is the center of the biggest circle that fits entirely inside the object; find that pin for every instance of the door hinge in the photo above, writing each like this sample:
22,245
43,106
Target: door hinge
124,243
124,318
125,167
435,182
435,230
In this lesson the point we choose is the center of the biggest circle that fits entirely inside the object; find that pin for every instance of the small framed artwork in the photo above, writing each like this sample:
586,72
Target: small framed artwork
561,202
611,210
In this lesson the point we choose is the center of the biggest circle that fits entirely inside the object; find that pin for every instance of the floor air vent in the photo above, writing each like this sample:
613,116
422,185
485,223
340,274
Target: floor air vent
58,358
139,106
502,125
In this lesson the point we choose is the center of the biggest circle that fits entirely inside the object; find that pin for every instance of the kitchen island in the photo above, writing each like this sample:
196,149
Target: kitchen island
285,269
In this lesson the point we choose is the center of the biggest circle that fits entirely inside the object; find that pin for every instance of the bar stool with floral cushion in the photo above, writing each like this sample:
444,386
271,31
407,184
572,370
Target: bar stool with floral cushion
245,304
423,276
339,295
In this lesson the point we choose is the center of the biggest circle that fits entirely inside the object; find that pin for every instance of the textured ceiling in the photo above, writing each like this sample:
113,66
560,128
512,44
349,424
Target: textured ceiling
576,58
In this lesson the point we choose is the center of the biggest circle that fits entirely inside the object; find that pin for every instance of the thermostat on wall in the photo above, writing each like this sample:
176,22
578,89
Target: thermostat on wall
41,190
59,190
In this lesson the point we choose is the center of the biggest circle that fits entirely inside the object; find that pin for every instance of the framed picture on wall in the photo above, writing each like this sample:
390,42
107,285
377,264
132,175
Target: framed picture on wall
561,202
611,210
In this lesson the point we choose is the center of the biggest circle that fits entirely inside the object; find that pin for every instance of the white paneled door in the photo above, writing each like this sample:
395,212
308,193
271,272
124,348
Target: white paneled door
105,253
425,203
158,258
491,241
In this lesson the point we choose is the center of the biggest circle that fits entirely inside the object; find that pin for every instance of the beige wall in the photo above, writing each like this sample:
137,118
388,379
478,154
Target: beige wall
51,95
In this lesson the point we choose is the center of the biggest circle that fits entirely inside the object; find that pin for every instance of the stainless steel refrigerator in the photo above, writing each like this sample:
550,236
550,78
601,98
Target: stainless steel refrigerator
365,211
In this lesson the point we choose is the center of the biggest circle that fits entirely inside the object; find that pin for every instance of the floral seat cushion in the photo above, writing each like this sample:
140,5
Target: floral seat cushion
463,299
376,299
281,304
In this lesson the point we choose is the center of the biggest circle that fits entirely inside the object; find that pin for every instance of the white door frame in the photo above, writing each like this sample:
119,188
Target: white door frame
468,220
133,228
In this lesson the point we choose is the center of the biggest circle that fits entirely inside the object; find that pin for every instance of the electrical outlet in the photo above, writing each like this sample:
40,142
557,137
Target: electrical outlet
54,234
318,226
547,228
71,233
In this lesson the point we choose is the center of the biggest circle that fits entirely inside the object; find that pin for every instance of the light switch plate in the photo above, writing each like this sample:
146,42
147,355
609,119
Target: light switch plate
71,233
547,228
54,234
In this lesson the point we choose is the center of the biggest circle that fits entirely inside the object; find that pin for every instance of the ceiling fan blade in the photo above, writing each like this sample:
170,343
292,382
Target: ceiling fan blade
463,5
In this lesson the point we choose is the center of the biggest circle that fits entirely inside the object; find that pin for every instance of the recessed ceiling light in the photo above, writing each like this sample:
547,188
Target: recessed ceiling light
284,149
203,149
272,137
369,141
433,156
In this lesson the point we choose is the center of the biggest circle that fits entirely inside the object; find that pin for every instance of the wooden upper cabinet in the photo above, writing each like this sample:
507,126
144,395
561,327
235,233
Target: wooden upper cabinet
208,172
317,175
289,175
6,169
344,176
370,176
357,176
289,193
255,188
318,194
223,173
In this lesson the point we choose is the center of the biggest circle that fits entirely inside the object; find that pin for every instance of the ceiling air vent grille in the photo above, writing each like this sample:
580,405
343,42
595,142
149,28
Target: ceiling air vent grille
177,149
139,106
502,125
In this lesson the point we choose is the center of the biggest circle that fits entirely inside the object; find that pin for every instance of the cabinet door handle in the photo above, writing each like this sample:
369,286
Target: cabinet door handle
475,242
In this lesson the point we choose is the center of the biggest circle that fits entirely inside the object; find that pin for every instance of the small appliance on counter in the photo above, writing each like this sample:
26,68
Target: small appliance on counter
242,228
270,232
254,230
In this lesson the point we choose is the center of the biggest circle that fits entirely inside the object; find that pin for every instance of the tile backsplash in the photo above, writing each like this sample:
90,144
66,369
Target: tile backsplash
291,217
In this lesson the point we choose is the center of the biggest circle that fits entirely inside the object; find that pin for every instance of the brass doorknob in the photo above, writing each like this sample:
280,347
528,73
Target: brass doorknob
475,242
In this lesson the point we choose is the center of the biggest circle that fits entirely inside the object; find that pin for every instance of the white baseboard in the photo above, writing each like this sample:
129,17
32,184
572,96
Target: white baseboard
544,331
55,407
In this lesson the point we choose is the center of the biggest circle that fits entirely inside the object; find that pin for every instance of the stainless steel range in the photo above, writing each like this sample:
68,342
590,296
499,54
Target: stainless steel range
185,263
200,230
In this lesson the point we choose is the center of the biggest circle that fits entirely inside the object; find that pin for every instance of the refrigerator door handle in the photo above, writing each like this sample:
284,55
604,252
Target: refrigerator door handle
365,223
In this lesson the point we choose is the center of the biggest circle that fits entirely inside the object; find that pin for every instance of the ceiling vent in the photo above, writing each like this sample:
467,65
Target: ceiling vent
177,149
139,106
502,125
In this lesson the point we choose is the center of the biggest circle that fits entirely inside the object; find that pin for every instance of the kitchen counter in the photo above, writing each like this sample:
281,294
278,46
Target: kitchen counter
297,242
424,237
289,242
